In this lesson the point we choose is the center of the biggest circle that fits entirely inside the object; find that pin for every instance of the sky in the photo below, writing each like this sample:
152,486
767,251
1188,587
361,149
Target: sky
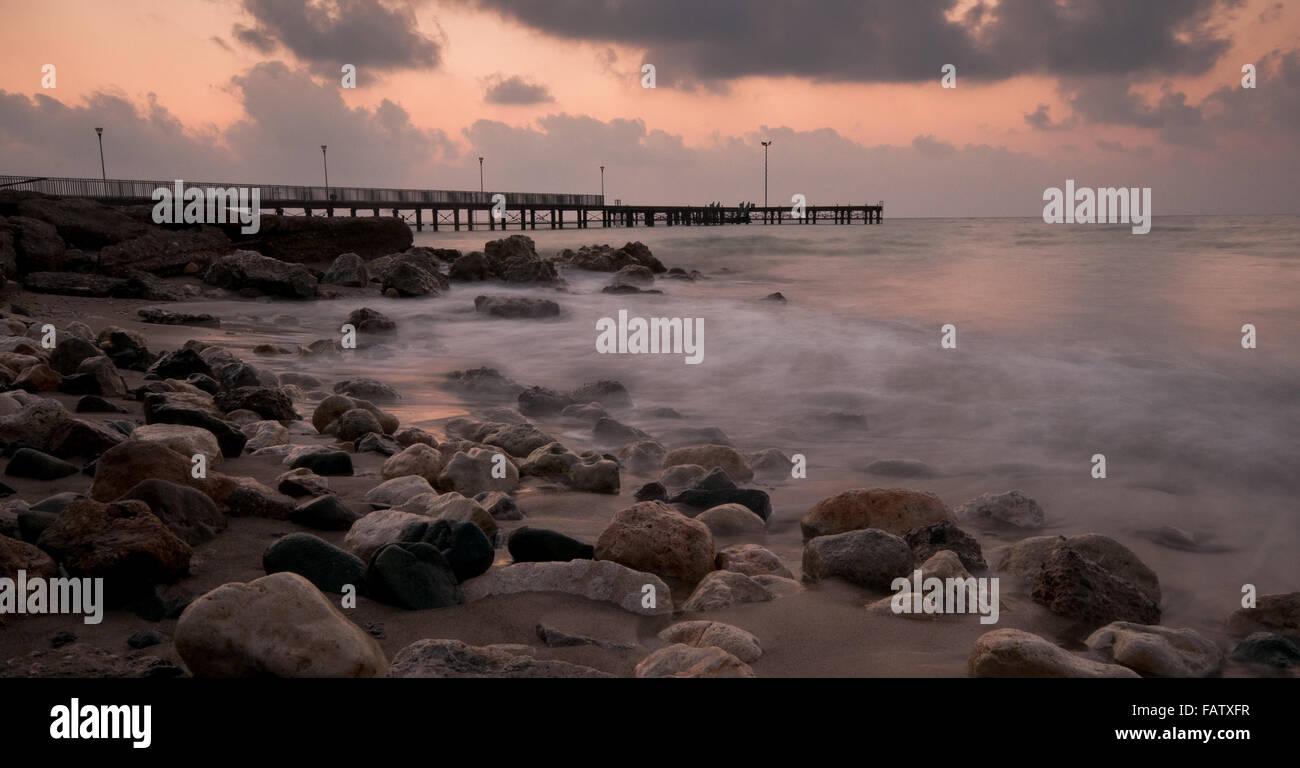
849,92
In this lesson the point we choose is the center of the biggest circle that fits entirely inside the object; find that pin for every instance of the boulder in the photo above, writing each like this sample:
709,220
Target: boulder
1012,508
251,273
324,513
381,527
1268,650
121,542
652,536
893,510
516,307
327,567
681,660
27,462
471,473
751,560
1016,653
528,544
869,558
1279,613
69,352
356,423
452,658
1157,651
593,579
18,556
367,389
348,269
277,626
407,279
723,589
324,462
1075,587
709,456
191,516
268,402
125,466
187,441
705,634
391,493
732,519
417,459
926,540
1026,558
411,575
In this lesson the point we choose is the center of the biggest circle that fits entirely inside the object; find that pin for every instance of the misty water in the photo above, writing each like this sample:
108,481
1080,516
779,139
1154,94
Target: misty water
1070,341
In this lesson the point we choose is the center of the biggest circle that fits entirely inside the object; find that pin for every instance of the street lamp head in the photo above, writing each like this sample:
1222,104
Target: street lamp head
100,131
480,161
767,143
322,147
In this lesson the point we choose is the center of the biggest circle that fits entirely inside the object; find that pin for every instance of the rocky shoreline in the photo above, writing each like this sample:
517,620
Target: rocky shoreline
324,537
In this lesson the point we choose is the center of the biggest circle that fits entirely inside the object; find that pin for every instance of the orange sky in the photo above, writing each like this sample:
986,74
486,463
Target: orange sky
137,47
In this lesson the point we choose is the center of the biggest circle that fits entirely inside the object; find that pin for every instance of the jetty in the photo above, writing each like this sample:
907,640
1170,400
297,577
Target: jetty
451,209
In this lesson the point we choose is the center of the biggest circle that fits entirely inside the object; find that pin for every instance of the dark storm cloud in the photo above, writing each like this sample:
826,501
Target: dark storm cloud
1041,119
889,41
383,35
515,90
287,116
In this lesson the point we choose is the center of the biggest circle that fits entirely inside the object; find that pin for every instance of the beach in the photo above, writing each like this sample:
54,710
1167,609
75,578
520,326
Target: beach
1065,348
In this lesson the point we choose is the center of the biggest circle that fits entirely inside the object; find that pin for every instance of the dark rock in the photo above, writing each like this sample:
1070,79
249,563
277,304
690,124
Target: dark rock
716,480
166,252
412,575
166,317
515,260
251,273
539,401
122,542
499,505
470,267
654,491
96,404
305,239
325,463
758,501
516,306
179,364
69,353
139,640
409,280
535,545
464,545
609,431
127,349
775,297
188,513
607,392
331,569
266,402
253,499
928,540
38,466
367,389
867,557
81,384
483,382
374,442
324,513
85,440
348,269
37,245
204,382
1075,587
160,409
1268,650
370,320
623,289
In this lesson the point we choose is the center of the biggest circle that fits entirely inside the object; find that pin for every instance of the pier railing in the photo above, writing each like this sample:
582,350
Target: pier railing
137,190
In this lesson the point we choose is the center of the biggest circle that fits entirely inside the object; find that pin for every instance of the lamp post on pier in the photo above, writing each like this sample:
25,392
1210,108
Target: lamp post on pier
766,144
602,185
102,173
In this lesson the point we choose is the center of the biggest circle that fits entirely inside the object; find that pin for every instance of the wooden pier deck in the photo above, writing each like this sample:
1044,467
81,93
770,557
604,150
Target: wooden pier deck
447,209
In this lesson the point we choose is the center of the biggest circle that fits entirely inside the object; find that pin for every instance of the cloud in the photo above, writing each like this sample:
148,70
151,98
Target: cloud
367,33
1041,120
515,90
889,41
288,115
